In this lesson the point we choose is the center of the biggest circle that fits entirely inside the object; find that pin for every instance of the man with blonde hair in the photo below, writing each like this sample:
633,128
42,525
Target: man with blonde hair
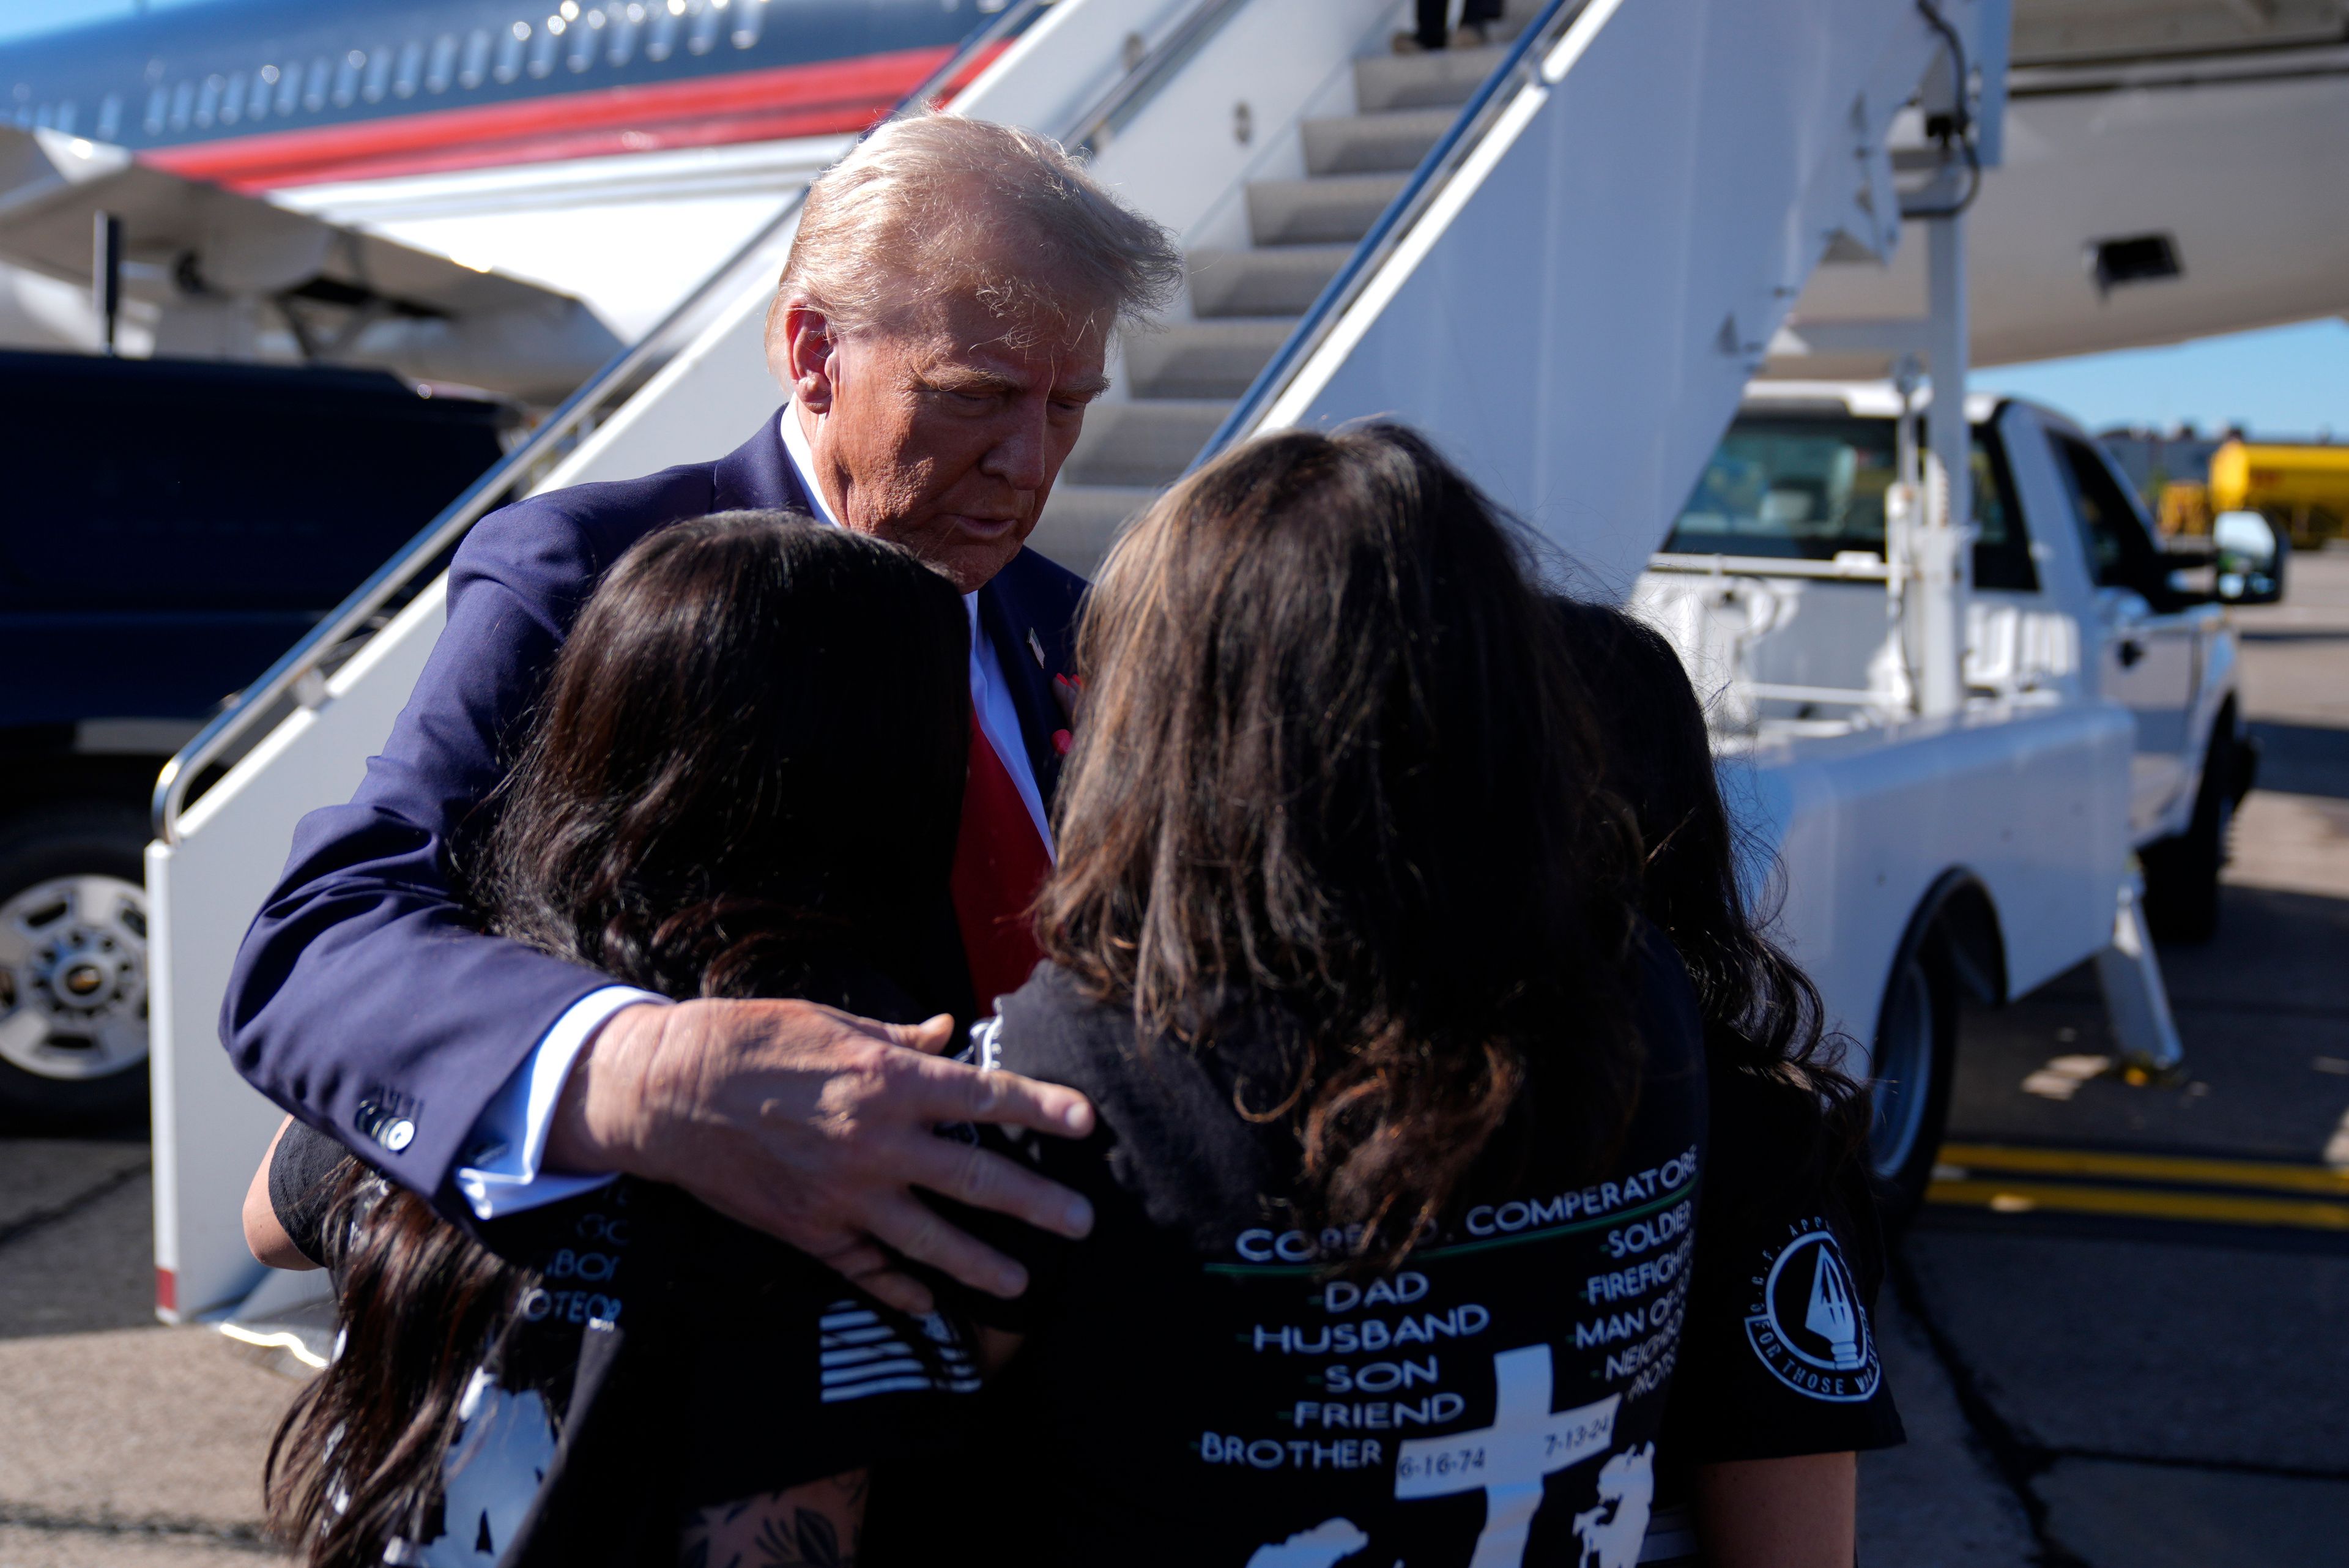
940,328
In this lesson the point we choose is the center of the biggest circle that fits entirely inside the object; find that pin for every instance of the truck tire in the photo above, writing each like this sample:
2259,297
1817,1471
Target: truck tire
1915,1044
73,965
2181,874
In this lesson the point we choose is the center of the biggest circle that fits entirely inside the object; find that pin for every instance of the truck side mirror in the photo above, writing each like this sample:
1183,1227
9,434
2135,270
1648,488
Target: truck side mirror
2118,606
2251,558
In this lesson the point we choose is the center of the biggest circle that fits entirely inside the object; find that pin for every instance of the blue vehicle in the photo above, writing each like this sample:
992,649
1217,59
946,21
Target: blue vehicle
172,527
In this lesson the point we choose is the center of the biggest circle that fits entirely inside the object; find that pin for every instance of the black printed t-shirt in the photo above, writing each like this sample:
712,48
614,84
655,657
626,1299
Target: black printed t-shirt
302,1167
1780,1358
681,1359
1195,1389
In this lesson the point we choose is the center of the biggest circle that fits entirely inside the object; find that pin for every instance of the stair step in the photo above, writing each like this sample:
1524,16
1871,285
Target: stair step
1279,281
1307,211
1143,444
1203,358
1393,143
1450,77
1082,520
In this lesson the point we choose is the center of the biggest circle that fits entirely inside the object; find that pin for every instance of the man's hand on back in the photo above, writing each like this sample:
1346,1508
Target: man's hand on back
811,1124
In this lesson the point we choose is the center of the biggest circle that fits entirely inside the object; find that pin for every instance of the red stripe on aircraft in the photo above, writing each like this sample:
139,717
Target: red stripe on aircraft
824,97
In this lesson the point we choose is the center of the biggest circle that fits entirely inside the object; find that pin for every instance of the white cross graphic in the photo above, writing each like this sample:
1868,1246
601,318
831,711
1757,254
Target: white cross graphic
1507,1460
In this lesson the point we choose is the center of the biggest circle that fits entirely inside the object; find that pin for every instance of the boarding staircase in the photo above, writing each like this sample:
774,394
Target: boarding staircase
1560,255
1182,381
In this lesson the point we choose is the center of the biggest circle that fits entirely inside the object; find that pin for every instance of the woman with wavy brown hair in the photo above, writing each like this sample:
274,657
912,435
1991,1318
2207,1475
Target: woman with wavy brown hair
1404,1108
1401,1106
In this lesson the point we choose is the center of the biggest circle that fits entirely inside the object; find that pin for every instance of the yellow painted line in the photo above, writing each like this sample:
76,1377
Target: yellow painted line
2064,1197
2310,1179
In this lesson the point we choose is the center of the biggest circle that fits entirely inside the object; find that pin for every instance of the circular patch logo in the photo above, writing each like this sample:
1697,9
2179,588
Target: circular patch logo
1808,1326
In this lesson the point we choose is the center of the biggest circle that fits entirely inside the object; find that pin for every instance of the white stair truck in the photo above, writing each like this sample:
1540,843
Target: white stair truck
1924,855
1564,258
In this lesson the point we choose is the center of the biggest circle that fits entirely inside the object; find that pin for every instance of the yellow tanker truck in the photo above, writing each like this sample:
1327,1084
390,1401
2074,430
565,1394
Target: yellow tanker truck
2303,491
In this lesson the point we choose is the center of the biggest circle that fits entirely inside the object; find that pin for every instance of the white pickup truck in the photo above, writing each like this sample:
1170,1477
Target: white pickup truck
1990,849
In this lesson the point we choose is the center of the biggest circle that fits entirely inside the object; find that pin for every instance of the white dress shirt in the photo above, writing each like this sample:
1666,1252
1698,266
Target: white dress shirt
509,1141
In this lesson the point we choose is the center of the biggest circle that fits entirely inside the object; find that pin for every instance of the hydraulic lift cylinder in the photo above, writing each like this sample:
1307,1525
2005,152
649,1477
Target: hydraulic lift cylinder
1944,558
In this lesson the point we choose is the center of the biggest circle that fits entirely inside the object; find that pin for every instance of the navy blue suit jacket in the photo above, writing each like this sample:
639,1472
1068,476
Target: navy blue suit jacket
364,996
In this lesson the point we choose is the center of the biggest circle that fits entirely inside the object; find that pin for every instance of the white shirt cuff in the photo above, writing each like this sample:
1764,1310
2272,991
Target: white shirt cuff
510,1140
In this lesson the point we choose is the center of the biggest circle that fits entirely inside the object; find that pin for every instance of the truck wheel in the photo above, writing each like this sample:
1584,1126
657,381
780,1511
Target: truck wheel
73,965
1915,1041
2181,874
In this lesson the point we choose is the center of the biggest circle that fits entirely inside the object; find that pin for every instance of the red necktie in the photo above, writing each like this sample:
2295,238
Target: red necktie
1000,862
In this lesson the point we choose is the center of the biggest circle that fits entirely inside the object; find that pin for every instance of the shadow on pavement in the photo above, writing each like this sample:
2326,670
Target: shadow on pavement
2302,758
2264,1015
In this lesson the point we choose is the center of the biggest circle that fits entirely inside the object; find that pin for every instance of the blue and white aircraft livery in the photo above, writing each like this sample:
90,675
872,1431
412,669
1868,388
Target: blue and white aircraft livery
259,94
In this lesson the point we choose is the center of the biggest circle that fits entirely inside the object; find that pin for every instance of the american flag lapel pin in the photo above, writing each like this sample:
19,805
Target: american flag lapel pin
1036,647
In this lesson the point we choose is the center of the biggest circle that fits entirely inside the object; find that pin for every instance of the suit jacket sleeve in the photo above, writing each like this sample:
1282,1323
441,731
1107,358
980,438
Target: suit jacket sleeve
364,998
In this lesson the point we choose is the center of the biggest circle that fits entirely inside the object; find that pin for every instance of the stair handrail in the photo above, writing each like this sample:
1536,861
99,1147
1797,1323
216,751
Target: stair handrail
1118,103
1397,217
295,674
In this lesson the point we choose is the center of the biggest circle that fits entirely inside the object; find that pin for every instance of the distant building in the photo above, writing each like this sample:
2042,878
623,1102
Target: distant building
2153,460
2186,477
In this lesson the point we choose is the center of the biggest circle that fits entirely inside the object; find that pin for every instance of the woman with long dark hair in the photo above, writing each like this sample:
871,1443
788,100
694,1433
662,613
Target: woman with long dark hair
1402,1104
744,781
1763,1426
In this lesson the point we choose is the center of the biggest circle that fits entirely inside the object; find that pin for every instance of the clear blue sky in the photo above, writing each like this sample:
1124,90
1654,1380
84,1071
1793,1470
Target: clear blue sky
2284,381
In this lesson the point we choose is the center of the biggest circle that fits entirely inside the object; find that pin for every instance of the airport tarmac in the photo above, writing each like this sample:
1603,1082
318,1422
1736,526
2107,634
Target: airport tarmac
2117,1333
2115,1336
